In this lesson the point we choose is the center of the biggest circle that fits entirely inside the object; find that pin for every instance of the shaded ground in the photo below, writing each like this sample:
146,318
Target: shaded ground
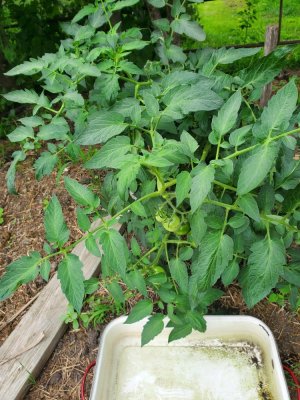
23,231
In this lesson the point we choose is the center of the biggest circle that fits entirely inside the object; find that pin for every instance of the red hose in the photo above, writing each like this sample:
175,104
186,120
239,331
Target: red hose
82,386
93,363
295,379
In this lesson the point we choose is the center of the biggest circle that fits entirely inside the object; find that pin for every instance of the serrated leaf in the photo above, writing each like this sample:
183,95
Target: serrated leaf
256,167
32,122
249,206
237,221
83,220
137,281
157,3
183,186
92,246
190,28
115,251
89,70
81,194
216,250
190,144
264,266
138,209
126,176
84,12
277,114
124,3
116,291
230,273
22,96
151,104
21,133
45,164
201,186
179,332
196,320
45,270
111,155
11,173
130,68
134,45
135,247
141,310
198,226
227,115
19,272
56,130
84,32
153,327
102,127
27,68
179,273
55,226
238,136
71,278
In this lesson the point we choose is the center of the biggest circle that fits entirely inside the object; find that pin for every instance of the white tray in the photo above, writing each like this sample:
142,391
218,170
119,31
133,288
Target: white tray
235,359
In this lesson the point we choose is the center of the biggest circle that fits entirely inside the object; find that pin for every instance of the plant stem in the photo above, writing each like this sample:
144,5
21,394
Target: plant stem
225,186
252,113
106,15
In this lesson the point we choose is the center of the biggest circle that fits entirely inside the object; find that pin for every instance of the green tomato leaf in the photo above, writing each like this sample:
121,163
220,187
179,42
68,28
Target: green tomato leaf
261,275
126,176
151,104
57,130
83,220
45,164
27,68
141,310
55,226
153,327
11,173
135,280
92,246
230,273
111,155
85,11
227,115
198,226
71,279
179,332
22,96
183,186
81,194
102,127
21,133
116,291
256,167
249,206
201,186
21,271
45,270
115,251
179,273
196,320
216,250
191,29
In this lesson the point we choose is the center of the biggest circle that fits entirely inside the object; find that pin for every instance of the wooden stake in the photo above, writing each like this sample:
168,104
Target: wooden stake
271,41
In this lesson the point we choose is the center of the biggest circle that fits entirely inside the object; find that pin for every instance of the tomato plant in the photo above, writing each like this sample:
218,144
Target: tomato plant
205,182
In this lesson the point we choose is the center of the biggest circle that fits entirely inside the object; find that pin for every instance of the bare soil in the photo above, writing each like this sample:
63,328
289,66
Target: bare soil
23,231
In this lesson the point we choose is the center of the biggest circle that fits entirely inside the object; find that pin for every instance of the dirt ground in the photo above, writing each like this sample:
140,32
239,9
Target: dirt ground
23,231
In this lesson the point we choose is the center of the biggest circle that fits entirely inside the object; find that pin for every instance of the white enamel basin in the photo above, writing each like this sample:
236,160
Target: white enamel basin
235,359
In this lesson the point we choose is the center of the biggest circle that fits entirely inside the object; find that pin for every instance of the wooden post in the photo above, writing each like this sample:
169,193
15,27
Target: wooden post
271,41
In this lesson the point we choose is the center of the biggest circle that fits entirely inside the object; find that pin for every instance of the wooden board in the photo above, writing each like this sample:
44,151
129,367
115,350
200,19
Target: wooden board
26,350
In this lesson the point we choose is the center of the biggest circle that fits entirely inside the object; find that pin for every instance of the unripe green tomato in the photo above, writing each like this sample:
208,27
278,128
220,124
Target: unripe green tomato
171,224
183,229
159,217
157,269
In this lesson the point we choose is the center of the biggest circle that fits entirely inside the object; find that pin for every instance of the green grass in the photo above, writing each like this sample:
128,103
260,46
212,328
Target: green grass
221,22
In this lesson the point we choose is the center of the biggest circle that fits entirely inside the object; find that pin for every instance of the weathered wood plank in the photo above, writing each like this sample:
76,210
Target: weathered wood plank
26,350
271,41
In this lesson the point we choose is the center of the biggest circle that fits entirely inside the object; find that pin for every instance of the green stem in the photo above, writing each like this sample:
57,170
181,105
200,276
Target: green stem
252,113
145,255
225,186
205,151
106,15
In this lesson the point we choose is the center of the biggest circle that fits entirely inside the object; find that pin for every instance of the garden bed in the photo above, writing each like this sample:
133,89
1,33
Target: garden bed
23,231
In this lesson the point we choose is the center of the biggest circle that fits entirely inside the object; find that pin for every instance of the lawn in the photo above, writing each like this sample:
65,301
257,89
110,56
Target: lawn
221,20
